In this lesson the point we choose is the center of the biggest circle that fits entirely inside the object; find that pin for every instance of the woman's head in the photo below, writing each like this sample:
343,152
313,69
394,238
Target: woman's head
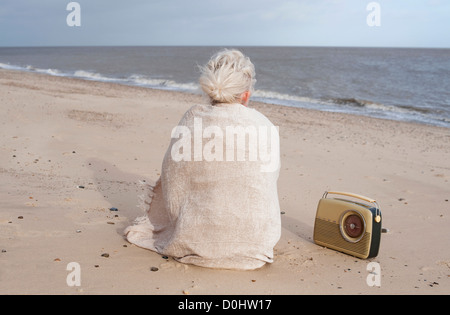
227,76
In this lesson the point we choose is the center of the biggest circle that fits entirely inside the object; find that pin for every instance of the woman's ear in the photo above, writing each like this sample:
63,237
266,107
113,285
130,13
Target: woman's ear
245,98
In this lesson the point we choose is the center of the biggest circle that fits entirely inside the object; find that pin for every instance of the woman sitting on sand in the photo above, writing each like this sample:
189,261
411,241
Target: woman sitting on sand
216,202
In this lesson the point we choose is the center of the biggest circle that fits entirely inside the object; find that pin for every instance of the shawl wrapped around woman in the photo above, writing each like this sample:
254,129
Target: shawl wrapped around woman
216,202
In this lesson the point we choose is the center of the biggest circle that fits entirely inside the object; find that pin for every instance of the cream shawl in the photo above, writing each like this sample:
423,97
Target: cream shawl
216,202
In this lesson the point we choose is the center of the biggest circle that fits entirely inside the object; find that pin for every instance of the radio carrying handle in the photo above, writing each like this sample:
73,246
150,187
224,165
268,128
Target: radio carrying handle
357,197
349,195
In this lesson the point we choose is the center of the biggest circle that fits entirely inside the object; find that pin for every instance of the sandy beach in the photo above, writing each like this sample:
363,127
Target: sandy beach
73,149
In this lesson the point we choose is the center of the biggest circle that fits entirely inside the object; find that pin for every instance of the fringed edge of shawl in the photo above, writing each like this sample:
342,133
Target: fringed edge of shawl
142,223
145,199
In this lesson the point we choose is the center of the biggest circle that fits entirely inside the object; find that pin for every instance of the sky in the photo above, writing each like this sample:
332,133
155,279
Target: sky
402,23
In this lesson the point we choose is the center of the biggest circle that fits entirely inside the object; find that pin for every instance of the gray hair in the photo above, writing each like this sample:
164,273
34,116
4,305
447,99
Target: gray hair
226,76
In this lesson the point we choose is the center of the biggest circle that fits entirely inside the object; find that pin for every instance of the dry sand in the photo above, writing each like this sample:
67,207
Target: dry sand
60,133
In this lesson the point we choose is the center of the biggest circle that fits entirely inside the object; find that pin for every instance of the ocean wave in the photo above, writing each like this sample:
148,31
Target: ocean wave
137,80
356,106
271,95
54,72
338,104
142,80
134,79
358,103
10,67
49,71
353,102
88,75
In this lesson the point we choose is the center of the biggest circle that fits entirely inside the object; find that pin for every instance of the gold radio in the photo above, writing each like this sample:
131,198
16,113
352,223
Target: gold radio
348,226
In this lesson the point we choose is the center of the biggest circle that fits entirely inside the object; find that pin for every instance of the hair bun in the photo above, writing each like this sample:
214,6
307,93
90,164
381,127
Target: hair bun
226,76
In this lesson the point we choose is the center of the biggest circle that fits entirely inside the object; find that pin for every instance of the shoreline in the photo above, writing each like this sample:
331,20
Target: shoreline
187,88
59,134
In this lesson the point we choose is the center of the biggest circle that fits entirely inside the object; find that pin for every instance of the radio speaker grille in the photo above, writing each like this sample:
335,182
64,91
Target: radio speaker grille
329,233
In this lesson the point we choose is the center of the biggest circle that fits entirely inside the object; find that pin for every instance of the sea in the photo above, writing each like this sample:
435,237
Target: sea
400,84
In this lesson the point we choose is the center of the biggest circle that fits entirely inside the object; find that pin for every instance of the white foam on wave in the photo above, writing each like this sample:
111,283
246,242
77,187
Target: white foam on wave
54,72
88,75
270,95
10,67
386,108
137,79
142,80
147,81
354,103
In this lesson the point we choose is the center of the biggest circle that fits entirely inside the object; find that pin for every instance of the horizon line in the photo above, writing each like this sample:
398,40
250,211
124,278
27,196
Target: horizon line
260,46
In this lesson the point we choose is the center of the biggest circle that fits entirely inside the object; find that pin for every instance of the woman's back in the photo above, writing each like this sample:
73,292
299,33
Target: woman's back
216,203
